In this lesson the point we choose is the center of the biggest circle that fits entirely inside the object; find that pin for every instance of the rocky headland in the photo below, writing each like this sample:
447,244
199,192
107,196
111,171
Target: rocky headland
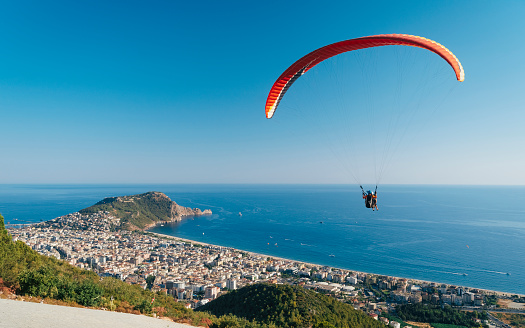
143,211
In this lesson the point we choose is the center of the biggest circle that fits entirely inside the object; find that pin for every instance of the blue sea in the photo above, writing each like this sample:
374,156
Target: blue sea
463,235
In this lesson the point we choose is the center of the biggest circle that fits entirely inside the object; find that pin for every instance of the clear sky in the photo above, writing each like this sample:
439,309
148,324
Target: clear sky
174,91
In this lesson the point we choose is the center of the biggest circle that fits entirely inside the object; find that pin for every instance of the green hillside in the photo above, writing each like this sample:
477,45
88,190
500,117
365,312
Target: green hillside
439,315
139,211
28,273
288,306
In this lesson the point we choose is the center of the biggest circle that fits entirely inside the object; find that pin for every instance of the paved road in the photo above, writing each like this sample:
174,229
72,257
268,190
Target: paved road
479,309
497,322
18,314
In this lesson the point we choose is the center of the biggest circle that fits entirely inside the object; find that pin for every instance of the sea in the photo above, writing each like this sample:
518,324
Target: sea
471,236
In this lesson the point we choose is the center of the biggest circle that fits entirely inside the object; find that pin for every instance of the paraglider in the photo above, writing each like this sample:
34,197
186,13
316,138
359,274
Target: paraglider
303,65
307,62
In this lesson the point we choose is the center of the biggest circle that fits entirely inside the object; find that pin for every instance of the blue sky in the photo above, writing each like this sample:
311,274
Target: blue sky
174,92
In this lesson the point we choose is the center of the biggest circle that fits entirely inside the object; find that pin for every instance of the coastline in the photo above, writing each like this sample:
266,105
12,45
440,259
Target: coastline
419,281
196,213
484,263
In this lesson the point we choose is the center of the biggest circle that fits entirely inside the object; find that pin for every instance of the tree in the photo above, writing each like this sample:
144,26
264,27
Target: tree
323,324
144,306
88,293
38,282
150,280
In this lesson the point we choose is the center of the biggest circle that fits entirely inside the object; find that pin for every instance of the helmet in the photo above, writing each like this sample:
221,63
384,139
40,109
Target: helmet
369,191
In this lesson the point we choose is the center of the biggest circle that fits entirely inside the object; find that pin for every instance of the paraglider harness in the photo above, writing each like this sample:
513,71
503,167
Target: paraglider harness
370,199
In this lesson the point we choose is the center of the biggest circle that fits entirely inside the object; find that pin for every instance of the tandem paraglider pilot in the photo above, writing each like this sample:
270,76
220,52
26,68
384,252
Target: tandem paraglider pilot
370,199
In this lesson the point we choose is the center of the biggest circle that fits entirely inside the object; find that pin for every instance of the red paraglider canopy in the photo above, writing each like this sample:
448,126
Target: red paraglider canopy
301,66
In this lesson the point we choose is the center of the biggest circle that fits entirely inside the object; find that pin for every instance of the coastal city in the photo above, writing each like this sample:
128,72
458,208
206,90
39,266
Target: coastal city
195,273
262,164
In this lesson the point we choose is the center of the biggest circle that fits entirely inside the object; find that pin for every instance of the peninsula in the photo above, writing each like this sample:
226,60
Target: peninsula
143,211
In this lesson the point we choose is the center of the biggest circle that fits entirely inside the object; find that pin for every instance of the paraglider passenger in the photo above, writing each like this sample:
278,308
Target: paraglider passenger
374,201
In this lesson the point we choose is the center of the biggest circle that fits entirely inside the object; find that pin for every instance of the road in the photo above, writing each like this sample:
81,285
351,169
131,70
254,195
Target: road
19,314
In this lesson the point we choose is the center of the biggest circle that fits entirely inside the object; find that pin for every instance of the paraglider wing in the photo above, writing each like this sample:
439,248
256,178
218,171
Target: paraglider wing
304,64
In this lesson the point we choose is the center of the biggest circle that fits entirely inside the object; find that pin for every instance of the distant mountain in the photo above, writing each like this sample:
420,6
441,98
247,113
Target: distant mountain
144,210
288,306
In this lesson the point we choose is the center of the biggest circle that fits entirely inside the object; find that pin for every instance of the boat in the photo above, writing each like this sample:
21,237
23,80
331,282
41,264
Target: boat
331,255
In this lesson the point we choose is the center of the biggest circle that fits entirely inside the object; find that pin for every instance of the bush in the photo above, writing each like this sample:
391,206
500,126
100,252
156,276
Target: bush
88,293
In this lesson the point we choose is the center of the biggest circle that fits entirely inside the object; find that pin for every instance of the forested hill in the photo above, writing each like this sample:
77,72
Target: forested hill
144,210
288,306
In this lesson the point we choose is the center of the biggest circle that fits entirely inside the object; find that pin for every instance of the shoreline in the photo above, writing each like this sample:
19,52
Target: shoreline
419,281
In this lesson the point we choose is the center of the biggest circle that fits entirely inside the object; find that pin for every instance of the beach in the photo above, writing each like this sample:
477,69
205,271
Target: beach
415,281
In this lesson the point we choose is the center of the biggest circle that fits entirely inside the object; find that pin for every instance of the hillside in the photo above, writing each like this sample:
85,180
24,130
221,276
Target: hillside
31,276
288,306
143,210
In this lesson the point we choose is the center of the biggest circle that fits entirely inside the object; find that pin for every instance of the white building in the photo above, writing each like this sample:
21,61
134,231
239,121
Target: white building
468,298
181,294
352,279
231,284
211,292
203,302
394,324
446,299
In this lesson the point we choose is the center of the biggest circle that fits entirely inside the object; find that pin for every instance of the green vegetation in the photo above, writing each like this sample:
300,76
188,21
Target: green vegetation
435,313
444,325
17,257
136,211
31,274
491,300
149,281
514,319
288,306
48,281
